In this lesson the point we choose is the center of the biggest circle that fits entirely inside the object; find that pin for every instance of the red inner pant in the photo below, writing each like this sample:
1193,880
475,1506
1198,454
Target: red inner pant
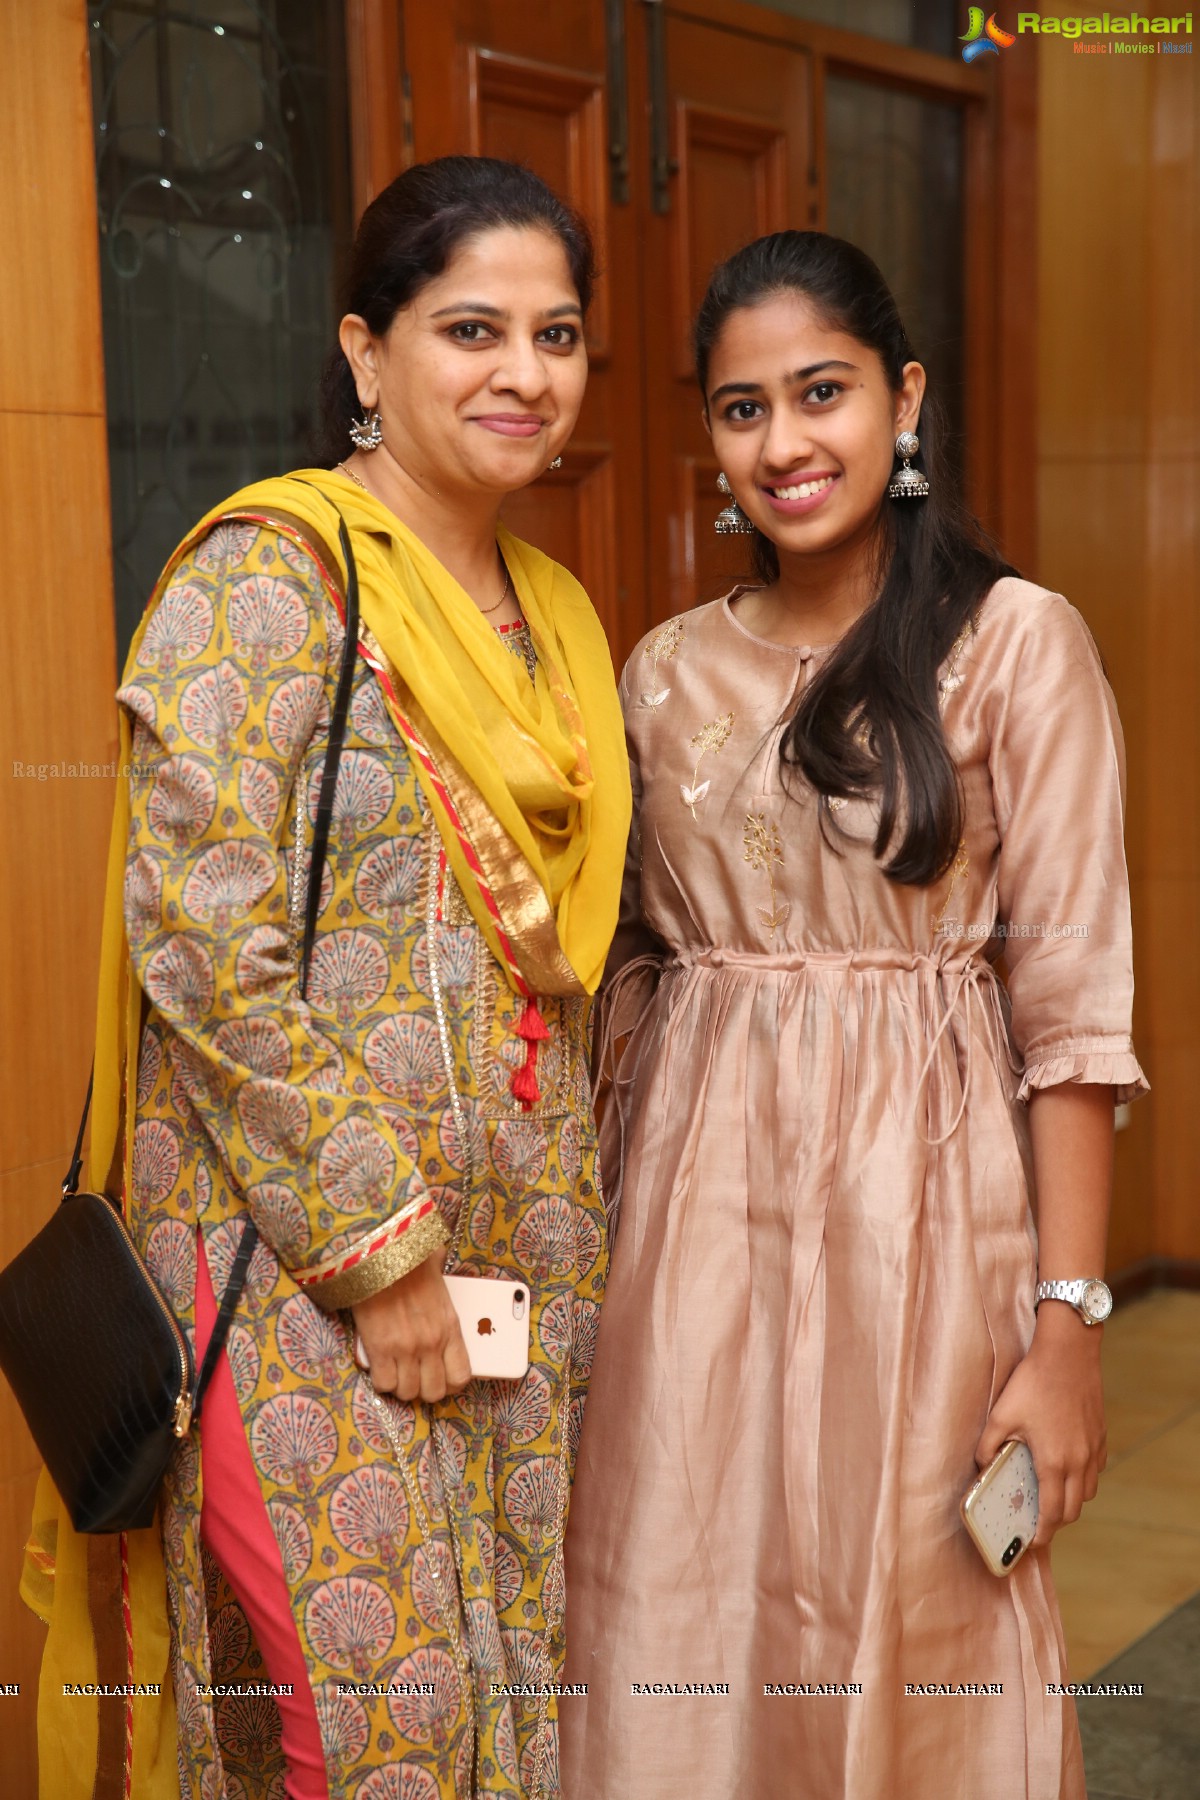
235,1525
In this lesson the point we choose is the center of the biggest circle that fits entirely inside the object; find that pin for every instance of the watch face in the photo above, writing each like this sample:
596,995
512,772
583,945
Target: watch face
1097,1301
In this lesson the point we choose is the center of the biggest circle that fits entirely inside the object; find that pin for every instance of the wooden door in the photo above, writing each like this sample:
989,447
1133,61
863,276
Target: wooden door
681,128
731,157
530,82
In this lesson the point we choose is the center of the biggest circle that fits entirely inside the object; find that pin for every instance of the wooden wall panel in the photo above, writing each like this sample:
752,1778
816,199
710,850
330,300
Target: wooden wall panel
47,361
1170,605
57,657
1118,479
59,745
1008,463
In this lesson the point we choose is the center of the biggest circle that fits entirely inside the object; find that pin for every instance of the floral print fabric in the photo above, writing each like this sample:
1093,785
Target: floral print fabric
422,1545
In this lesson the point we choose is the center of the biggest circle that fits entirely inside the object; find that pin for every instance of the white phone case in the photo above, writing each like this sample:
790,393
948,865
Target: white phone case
1000,1510
494,1315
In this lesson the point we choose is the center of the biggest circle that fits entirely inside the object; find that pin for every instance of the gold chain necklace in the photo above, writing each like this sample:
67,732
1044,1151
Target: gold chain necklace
485,610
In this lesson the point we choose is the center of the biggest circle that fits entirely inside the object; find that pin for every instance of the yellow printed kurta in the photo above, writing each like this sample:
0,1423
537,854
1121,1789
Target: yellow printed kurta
337,1121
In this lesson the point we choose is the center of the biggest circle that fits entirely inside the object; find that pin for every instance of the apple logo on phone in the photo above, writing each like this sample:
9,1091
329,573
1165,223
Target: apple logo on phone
484,1327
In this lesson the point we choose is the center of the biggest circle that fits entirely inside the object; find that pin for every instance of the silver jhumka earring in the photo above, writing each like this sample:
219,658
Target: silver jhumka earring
908,483
732,520
367,433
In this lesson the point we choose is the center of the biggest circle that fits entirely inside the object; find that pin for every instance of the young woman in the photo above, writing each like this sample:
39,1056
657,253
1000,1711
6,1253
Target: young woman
857,781
382,1550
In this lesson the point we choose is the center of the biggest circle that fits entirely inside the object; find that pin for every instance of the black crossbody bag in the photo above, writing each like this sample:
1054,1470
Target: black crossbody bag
96,1358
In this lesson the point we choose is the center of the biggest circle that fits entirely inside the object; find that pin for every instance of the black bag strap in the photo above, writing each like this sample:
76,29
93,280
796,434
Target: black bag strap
225,1312
70,1184
333,756
320,846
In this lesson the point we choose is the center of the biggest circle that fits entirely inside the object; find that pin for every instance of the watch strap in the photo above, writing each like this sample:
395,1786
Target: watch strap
1073,1292
1070,1291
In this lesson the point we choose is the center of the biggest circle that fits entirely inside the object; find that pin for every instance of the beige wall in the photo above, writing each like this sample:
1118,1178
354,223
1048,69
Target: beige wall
1119,506
56,670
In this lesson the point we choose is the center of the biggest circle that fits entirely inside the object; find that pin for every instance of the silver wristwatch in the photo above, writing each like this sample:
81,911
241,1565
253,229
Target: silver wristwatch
1091,1297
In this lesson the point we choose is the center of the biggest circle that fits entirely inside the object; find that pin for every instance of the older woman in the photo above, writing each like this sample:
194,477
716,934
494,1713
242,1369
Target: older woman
382,1552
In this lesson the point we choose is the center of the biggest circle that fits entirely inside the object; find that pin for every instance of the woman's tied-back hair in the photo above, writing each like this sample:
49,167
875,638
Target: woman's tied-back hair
935,564
407,237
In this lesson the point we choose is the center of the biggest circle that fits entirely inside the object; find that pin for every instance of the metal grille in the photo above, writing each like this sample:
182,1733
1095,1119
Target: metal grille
223,180
895,187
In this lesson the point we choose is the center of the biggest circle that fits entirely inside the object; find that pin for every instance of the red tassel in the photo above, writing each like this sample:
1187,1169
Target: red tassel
531,1026
533,1029
523,1085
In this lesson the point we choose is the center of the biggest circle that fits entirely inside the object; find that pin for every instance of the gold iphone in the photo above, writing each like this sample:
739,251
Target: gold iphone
1000,1509
494,1315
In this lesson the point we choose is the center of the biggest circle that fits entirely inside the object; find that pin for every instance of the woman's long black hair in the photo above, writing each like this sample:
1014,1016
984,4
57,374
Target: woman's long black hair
406,238
935,565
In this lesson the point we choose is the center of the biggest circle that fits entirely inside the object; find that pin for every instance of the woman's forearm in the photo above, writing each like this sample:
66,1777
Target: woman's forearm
1072,1131
1054,1400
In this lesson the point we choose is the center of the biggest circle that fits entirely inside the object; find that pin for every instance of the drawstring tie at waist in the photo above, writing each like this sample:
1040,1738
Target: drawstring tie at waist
974,972
629,996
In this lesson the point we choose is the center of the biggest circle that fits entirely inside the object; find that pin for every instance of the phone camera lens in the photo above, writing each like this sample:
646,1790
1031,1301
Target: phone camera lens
519,1295
1011,1552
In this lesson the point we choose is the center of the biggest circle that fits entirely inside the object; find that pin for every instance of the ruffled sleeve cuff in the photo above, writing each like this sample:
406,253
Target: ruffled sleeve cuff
1107,1061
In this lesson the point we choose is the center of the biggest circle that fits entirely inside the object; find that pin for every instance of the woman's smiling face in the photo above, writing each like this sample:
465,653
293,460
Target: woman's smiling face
804,422
479,380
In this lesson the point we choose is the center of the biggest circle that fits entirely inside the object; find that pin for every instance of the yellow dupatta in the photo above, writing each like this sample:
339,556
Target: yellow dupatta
86,1587
528,782
529,788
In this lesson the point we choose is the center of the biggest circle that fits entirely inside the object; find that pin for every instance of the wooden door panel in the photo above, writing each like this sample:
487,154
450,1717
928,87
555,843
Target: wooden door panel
741,159
727,97
551,119
530,83
732,186
570,514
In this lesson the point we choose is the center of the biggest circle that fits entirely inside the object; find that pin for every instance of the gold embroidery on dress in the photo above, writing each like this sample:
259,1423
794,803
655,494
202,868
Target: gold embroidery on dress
958,870
455,911
661,648
952,679
713,738
764,848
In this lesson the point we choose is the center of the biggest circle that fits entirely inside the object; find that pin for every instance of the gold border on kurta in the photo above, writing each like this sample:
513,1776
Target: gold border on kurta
524,907
382,1267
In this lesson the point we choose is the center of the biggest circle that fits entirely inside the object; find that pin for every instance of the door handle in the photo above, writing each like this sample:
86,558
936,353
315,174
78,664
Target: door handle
662,166
618,102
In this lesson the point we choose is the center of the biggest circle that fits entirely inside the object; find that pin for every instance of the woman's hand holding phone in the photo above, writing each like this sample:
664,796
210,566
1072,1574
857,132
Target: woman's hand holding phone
411,1336
1054,1402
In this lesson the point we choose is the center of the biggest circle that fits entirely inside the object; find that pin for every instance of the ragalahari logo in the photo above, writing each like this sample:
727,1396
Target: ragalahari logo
983,39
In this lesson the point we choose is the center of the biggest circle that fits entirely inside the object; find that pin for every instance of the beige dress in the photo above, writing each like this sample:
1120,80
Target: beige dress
824,1268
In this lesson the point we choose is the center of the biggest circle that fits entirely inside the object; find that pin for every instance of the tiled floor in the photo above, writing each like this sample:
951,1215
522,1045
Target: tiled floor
1135,1554
1148,1748
1128,1573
